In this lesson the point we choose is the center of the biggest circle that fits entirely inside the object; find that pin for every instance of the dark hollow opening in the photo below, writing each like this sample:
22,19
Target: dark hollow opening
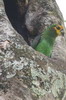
17,21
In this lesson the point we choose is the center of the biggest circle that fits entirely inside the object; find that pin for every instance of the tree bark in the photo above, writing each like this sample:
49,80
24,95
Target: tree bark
26,74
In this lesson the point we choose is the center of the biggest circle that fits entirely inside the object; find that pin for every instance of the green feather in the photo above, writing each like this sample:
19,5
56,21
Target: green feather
46,42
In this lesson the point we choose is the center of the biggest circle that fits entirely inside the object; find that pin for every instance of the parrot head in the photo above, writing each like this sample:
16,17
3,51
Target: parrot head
59,30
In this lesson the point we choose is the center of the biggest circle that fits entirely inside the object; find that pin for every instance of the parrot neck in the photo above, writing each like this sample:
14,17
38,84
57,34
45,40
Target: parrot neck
50,36
49,39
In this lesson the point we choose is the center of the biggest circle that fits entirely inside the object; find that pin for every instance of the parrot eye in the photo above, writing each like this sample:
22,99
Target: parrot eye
58,28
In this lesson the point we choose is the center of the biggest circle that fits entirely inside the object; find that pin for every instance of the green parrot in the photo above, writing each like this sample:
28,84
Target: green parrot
45,42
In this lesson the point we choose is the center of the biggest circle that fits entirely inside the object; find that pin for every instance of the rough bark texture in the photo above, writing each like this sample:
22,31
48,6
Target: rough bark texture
24,73
42,13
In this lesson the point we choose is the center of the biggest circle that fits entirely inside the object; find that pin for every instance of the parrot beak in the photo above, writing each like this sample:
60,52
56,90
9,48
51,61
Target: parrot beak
62,32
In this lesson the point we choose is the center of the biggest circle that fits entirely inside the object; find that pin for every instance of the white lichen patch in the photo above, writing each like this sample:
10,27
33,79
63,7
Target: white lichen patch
10,75
51,81
39,91
11,64
19,46
5,44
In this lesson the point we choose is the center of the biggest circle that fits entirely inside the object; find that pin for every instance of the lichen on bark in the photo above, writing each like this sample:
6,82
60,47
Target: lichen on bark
26,74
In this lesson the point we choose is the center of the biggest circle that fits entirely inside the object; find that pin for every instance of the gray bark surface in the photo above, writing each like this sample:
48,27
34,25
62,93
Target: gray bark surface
26,74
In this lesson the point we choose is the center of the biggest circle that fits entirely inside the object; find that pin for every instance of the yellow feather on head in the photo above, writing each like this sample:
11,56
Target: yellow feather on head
58,29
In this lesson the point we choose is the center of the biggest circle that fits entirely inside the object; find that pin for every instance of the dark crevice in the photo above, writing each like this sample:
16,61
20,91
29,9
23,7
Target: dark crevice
17,21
